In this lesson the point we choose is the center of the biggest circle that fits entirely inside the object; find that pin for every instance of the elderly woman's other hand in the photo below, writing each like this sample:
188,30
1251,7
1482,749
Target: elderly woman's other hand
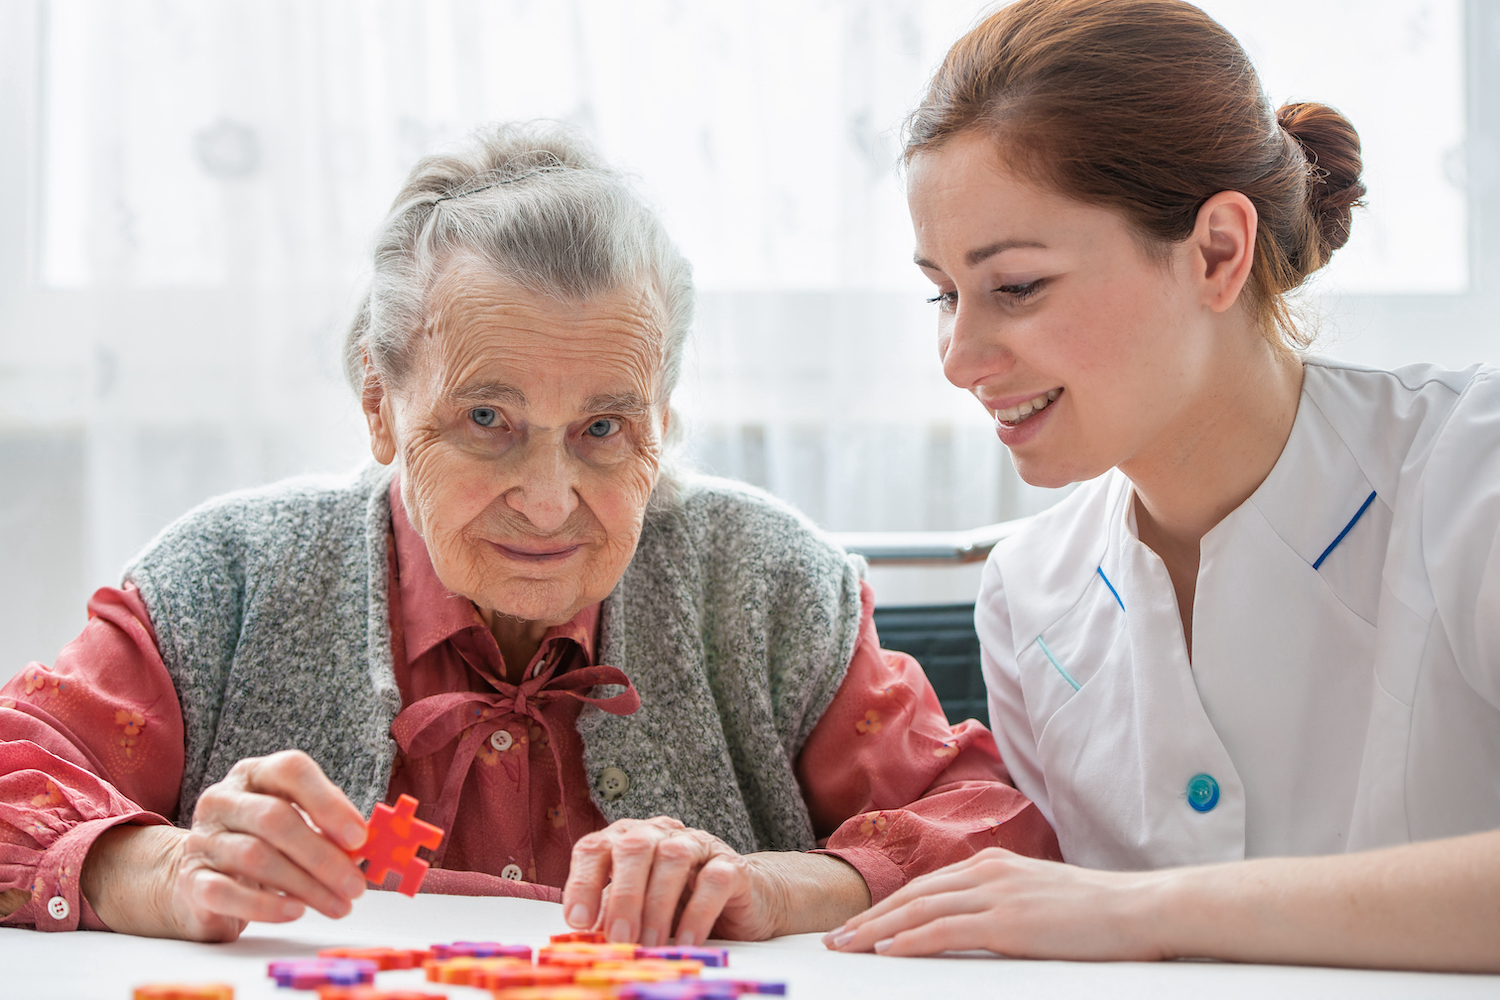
636,879
266,842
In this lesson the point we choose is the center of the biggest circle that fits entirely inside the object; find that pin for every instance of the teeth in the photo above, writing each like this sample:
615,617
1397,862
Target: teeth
1022,411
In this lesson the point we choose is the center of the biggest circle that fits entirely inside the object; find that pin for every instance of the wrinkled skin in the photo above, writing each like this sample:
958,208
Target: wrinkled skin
529,434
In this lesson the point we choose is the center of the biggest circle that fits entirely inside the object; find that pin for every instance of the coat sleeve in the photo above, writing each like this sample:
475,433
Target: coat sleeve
897,792
88,744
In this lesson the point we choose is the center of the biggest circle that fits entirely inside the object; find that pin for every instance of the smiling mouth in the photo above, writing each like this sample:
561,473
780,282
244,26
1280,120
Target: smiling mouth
537,555
1023,412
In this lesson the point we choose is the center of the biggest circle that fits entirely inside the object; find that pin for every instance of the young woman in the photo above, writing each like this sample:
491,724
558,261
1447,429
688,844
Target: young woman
1250,669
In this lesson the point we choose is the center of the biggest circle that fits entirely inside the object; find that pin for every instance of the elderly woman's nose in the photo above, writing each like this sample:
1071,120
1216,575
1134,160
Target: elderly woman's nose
545,494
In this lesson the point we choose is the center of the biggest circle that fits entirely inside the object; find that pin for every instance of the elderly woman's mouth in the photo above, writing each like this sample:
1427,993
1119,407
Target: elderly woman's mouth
537,553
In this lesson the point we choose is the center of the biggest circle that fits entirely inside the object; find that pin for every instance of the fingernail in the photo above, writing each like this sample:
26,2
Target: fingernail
881,947
354,835
620,930
685,940
291,909
842,938
578,916
649,937
354,886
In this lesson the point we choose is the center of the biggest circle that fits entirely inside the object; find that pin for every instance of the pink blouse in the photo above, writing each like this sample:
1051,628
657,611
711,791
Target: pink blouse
97,740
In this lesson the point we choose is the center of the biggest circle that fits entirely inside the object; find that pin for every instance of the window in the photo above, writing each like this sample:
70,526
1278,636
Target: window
200,182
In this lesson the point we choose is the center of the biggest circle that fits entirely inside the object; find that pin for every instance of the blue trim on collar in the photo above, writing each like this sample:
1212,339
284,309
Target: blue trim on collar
1112,590
1352,522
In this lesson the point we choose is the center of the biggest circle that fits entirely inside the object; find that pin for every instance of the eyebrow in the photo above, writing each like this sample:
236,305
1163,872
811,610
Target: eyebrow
984,253
484,392
628,403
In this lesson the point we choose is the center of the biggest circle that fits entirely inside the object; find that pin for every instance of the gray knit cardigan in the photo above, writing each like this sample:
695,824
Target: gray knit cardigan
736,620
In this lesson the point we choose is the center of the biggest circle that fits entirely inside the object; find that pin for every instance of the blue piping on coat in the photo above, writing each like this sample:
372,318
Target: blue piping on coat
1352,522
1065,675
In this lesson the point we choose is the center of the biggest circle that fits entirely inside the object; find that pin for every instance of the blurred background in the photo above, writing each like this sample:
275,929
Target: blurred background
188,189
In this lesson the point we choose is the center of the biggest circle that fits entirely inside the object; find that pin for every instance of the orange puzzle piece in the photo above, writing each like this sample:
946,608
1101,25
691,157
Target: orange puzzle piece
391,842
183,991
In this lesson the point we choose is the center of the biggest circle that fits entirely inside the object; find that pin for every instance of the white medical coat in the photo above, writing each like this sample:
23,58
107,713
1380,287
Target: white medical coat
1344,689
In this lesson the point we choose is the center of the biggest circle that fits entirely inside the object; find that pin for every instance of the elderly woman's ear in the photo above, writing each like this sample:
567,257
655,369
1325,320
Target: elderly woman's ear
376,402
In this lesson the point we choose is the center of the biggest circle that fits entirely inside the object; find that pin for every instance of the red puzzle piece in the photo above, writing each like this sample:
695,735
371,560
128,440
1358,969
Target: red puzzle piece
391,842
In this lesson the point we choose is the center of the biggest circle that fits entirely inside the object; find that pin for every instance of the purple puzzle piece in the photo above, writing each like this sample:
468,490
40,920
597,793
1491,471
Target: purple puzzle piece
481,949
310,973
718,958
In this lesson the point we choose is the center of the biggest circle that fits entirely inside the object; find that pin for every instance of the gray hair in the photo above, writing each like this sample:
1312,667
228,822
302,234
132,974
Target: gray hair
536,202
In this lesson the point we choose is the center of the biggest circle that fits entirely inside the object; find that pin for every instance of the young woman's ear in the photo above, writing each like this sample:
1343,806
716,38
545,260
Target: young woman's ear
376,403
1222,248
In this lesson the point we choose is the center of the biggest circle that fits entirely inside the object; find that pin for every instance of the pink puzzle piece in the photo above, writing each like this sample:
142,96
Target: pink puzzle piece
391,844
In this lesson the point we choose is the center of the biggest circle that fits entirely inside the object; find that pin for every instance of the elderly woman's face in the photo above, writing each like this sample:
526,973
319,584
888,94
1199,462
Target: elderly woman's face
529,434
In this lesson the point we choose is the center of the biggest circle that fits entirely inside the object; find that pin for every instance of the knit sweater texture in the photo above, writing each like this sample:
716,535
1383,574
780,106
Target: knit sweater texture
736,620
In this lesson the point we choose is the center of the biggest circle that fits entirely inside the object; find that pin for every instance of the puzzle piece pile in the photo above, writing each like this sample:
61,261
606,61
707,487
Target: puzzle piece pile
574,966
583,966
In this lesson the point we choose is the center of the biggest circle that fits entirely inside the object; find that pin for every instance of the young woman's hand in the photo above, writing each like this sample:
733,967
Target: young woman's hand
266,842
1012,905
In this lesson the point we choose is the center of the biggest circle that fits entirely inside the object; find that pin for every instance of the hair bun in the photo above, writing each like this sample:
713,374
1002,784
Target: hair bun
1331,147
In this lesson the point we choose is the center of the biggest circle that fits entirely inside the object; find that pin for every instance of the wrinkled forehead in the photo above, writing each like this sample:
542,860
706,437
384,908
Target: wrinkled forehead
485,329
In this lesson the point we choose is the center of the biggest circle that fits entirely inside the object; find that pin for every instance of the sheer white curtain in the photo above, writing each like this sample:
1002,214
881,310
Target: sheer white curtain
189,189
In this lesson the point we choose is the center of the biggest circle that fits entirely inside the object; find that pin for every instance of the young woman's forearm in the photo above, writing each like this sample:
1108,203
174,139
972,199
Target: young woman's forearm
1433,905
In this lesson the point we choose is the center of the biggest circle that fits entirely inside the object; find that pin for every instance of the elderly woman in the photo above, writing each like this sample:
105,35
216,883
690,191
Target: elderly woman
589,671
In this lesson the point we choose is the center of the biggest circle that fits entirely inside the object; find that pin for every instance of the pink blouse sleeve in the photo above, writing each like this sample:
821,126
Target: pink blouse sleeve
93,742
894,789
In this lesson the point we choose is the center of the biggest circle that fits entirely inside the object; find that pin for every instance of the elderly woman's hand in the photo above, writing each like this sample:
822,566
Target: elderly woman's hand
636,879
266,842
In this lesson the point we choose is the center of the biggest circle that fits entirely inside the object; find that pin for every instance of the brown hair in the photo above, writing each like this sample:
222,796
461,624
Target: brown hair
1151,107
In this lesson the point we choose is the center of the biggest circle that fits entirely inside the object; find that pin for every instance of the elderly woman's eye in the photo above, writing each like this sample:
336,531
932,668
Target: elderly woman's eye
601,428
484,416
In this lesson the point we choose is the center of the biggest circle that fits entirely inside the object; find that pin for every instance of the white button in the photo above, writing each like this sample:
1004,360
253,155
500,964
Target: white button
613,783
501,740
58,907
512,872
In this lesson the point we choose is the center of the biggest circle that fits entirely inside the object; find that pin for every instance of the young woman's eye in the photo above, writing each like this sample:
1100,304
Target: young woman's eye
1020,293
484,416
945,301
603,427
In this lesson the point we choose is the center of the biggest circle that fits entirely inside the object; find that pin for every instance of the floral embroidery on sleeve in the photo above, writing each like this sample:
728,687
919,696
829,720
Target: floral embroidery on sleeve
51,797
131,723
949,748
38,678
869,724
874,824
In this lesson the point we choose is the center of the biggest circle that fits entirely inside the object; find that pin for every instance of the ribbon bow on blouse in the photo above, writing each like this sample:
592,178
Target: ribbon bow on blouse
429,724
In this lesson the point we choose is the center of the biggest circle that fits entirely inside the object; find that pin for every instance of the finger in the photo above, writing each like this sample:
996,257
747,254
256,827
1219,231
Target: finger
296,777
916,913
588,872
222,808
959,932
676,859
632,854
252,859
956,877
214,894
719,880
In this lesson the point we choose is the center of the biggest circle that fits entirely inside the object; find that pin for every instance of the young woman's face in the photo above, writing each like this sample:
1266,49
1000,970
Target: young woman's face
1086,352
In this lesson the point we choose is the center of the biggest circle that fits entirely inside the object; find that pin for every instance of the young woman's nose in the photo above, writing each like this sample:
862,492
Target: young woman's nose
971,348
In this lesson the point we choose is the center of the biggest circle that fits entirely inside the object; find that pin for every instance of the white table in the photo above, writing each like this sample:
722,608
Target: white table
84,966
